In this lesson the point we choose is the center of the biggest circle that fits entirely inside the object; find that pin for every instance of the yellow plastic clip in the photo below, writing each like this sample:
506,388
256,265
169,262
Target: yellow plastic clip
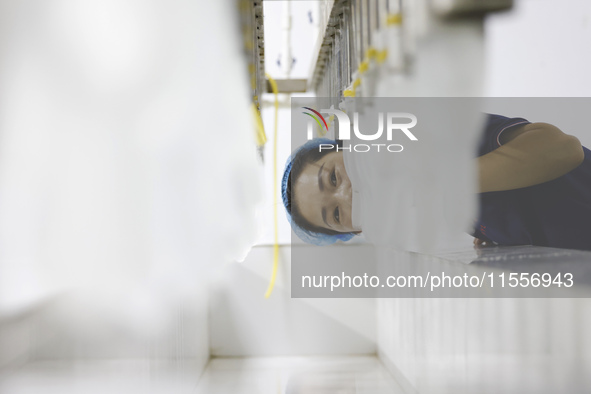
356,83
330,119
349,93
381,56
259,128
363,67
371,53
394,19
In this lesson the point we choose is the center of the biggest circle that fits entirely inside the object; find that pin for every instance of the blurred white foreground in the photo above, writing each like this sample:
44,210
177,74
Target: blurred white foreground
128,172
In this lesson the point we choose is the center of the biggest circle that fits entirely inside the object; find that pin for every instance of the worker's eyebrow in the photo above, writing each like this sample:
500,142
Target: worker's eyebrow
320,183
324,217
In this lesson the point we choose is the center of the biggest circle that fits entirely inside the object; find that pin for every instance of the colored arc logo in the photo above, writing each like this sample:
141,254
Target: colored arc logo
317,118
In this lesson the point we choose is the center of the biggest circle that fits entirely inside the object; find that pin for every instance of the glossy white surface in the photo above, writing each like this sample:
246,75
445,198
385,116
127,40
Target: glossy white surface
107,376
298,375
344,375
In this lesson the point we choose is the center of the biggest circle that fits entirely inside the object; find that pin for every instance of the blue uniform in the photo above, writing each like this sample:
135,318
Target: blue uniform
555,213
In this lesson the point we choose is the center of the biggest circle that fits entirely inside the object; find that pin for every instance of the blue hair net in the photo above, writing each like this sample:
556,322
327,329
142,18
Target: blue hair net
310,237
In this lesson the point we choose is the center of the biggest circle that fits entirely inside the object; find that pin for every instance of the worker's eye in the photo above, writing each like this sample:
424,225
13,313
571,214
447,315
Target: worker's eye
333,178
337,216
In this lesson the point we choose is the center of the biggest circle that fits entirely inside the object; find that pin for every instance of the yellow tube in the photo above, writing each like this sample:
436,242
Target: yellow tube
275,224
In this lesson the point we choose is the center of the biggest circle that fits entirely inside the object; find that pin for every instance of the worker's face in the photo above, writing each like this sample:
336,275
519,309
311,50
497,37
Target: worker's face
323,194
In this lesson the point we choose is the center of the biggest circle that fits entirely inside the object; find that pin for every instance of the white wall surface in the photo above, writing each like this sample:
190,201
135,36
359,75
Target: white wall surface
304,22
244,323
539,48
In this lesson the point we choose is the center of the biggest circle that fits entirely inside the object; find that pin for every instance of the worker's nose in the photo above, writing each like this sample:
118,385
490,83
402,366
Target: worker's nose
344,195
